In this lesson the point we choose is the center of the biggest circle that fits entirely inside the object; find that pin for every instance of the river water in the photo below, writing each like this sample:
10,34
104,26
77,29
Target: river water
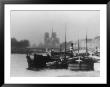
19,65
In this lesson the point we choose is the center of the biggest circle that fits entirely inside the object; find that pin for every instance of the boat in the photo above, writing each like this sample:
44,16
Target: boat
60,60
82,61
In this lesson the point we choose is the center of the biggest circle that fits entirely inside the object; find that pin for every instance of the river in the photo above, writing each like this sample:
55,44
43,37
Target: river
19,65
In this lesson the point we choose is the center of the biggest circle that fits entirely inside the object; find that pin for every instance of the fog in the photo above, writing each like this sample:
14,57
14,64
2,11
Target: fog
32,25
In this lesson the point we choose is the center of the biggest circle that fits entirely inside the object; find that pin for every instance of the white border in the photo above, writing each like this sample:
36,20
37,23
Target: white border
56,80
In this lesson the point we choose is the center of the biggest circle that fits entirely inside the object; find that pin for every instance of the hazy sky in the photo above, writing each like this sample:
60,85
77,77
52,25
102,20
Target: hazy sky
32,25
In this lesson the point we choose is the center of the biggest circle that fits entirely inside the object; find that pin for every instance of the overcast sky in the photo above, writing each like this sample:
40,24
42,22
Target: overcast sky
32,25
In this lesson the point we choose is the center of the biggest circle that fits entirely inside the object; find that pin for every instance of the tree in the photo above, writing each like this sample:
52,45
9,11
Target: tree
19,44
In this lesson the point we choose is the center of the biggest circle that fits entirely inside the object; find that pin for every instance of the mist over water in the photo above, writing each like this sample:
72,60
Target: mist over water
19,65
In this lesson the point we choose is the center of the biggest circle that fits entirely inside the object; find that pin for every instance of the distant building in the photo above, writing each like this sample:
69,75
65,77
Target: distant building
51,42
46,40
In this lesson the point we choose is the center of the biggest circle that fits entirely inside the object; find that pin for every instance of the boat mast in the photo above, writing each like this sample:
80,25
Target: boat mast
65,41
78,43
51,44
86,45
78,46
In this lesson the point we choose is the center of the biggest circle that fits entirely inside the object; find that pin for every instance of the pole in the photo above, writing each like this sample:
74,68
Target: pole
86,45
78,46
65,41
